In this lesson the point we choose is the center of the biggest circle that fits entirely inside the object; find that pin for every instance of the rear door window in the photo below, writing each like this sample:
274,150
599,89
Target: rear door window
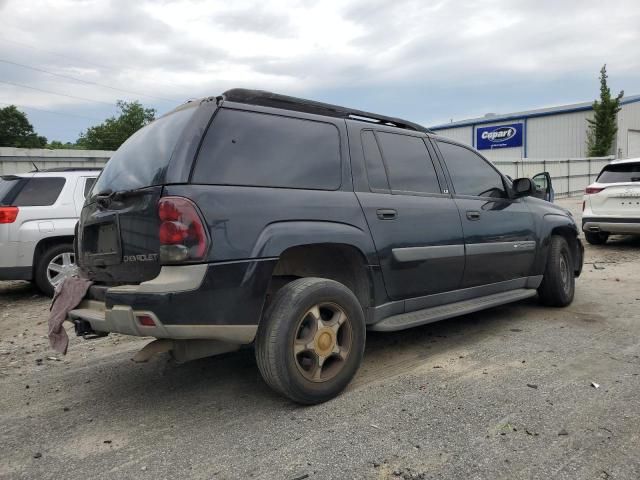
408,163
373,160
256,149
623,172
88,184
39,192
470,173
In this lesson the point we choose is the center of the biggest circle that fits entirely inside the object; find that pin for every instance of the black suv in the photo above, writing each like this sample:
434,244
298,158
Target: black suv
295,226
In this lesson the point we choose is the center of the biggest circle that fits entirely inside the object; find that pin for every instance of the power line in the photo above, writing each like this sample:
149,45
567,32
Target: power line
88,82
56,93
52,111
75,59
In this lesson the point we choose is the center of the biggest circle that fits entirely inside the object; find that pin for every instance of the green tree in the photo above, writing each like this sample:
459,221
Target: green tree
56,145
602,130
16,131
112,133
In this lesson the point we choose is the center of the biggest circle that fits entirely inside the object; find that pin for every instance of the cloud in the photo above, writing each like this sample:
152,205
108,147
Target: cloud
428,61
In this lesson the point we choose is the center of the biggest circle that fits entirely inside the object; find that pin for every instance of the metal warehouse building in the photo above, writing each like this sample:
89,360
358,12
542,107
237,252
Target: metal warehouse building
555,132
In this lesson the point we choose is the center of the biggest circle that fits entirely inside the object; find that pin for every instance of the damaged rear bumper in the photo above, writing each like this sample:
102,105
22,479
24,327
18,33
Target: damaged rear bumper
181,303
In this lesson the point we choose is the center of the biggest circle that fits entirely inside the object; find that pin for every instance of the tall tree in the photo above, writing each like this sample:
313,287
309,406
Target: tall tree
602,130
16,131
112,133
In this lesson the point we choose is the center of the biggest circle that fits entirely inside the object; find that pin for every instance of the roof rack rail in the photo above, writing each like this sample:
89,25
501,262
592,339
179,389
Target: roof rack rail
269,99
67,169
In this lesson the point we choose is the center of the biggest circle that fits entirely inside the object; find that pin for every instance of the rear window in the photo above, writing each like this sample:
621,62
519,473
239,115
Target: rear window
408,163
256,149
624,172
143,159
30,192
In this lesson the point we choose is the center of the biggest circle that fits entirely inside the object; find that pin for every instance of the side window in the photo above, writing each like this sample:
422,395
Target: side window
408,163
470,173
40,191
256,149
88,185
373,161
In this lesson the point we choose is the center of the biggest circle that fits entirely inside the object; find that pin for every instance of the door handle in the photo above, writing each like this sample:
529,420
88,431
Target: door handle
473,215
386,213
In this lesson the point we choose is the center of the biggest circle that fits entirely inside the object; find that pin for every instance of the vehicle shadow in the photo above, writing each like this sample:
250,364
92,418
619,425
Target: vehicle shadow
233,380
11,291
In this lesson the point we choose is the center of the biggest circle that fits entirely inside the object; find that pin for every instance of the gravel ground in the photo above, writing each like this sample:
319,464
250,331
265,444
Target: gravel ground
506,393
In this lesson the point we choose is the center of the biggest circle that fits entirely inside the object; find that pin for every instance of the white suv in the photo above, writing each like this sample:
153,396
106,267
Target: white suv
38,214
612,204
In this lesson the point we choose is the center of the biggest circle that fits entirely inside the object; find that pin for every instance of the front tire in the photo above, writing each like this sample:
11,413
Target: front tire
311,340
53,266
558,284
596,238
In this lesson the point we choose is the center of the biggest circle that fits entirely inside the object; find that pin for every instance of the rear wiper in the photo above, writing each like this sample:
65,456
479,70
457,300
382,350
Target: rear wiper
105,197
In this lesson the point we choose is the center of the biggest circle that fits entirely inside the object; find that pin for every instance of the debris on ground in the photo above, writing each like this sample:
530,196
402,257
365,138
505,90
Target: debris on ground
595,385
532,385
563,432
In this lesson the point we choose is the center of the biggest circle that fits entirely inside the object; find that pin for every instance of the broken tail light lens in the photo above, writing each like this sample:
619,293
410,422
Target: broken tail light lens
183,236
591,190
8,214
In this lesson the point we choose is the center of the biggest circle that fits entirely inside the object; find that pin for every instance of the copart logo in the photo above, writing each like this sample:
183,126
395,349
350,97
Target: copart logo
500,134
151,257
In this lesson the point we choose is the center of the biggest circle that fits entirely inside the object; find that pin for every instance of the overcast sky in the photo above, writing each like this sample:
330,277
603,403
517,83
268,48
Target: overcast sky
427,61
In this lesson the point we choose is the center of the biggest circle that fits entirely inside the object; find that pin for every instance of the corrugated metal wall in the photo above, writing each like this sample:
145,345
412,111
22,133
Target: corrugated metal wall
558,136
628,125
562,135
461,134
21,160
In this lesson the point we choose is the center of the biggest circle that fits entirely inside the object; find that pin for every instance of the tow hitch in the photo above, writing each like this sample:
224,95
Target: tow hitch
83,329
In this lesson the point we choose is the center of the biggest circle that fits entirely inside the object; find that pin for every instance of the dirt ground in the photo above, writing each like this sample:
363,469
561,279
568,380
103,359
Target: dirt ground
507,393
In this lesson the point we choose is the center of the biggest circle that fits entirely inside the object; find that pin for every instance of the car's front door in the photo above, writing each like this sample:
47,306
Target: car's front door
413,220
499,234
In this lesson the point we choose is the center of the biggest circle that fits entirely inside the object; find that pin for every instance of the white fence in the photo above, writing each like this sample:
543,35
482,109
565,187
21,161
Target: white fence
569,176
21,160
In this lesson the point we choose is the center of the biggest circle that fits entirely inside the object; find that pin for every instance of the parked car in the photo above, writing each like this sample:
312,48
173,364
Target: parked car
612,203
38,213
295,226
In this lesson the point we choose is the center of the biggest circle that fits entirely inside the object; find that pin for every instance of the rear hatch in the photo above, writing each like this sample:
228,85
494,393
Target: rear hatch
118,230
620,194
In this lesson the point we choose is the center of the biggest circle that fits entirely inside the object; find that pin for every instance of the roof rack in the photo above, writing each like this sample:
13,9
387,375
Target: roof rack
269,99
66,169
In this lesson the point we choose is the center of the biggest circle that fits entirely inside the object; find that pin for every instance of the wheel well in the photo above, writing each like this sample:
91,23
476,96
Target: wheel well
340,262
572,239
46,243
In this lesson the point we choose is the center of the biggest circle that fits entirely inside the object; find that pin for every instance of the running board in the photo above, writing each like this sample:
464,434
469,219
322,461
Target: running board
433,314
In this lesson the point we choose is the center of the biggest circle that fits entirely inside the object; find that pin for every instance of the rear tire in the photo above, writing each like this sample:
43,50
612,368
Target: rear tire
558,284
58,254
311,340
596,238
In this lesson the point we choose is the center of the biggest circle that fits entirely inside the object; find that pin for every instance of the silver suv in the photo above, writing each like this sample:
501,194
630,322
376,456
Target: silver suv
38,214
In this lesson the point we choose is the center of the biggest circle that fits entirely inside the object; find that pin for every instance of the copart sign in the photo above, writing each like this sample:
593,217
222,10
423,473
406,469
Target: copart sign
499,136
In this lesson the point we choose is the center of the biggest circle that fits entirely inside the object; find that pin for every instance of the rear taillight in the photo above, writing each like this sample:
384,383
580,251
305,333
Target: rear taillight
591,190
8,214
182,234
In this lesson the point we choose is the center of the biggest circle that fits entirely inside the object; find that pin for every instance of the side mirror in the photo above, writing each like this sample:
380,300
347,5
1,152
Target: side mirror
523,187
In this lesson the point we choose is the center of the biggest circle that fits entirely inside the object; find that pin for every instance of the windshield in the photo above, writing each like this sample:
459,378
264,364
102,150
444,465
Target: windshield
10,186
143,159
623,172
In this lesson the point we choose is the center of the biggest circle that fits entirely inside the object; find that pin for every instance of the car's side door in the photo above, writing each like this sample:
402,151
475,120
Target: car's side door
414,223
499,231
